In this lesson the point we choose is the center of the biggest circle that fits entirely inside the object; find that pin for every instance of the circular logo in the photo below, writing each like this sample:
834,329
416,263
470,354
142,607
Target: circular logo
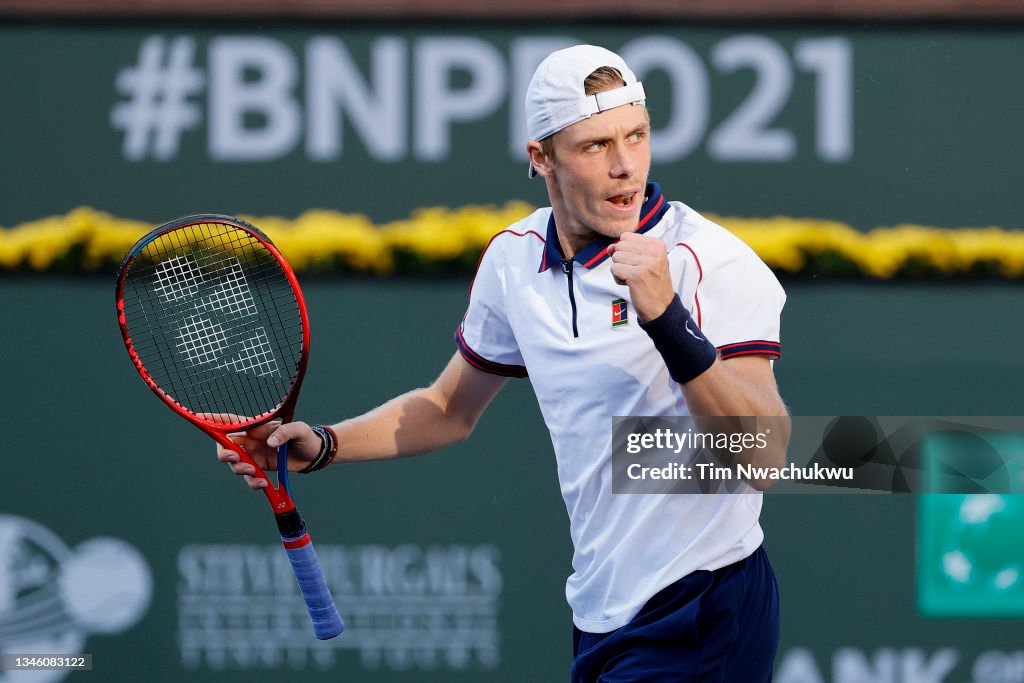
52,597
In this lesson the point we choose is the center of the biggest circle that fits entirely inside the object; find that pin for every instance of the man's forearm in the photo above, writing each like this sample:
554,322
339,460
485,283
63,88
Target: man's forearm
411,424
726,389
421,420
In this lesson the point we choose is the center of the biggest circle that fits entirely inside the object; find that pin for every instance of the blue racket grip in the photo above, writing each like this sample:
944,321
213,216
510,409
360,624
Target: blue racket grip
282,467
327,622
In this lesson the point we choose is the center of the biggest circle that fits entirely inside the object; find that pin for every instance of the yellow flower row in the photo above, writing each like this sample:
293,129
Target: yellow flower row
799,245
436,238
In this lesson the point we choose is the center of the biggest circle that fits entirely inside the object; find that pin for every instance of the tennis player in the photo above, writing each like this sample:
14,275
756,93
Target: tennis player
614,301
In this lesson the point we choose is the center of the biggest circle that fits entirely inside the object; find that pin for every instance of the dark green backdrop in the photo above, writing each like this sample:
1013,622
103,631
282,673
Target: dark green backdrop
89,452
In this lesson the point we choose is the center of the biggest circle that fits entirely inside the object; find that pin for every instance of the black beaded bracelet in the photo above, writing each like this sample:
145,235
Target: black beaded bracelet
328,449
685,349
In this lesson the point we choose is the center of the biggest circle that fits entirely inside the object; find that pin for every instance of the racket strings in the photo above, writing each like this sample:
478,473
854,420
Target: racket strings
253,354
203,341
214,320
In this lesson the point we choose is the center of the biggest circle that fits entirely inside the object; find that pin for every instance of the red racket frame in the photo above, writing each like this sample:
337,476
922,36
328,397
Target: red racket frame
278,497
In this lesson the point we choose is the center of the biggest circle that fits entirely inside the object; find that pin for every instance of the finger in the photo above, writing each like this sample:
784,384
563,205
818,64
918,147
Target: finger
630,258
256,483
287,432
637,251
226,454
230,458
634,237
640,243
244,442
626,240
620,246
624,273
242,468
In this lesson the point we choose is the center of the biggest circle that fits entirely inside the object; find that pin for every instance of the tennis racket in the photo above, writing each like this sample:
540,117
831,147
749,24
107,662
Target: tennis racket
215,323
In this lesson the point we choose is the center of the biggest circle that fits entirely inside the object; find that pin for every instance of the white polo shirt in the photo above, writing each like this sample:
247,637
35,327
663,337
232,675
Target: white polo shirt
562,323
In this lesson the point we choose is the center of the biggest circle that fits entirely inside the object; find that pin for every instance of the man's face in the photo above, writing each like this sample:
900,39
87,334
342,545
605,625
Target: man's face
599,172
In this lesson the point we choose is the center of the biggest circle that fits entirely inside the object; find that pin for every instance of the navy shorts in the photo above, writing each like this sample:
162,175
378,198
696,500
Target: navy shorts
717,626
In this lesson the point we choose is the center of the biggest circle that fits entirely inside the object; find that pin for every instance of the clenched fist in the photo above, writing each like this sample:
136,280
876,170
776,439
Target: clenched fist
641,263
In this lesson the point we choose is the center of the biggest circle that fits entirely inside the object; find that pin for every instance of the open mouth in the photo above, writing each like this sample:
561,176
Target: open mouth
624,200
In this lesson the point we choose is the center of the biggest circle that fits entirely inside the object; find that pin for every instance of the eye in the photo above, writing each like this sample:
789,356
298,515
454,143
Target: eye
638,135
595,146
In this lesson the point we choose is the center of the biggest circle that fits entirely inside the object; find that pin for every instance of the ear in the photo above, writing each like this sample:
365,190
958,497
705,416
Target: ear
538,158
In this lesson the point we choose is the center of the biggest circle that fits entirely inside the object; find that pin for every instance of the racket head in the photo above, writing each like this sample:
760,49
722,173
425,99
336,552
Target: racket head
214,321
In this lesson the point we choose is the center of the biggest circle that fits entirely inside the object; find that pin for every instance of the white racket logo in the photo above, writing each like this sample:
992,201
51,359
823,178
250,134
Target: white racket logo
204,341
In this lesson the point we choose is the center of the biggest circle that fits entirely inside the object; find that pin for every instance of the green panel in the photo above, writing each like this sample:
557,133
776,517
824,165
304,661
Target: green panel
970,558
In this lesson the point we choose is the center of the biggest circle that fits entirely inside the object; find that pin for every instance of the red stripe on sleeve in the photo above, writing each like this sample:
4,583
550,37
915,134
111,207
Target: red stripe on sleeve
753,352
700,278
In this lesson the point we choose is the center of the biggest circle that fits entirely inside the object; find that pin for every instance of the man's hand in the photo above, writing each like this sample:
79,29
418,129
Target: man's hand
261,444
641,263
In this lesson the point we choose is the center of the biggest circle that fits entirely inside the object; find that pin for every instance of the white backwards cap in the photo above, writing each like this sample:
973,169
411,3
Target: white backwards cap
556,99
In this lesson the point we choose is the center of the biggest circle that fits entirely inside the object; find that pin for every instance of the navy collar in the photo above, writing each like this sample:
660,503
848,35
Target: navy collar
596,252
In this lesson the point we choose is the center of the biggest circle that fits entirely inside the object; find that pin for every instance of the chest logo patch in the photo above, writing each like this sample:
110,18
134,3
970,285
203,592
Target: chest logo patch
620,313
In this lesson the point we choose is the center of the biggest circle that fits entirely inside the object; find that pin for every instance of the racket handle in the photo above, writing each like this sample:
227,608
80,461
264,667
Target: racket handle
327,622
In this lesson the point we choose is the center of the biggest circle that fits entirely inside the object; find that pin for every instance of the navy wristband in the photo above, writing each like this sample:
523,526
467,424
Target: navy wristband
685,349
